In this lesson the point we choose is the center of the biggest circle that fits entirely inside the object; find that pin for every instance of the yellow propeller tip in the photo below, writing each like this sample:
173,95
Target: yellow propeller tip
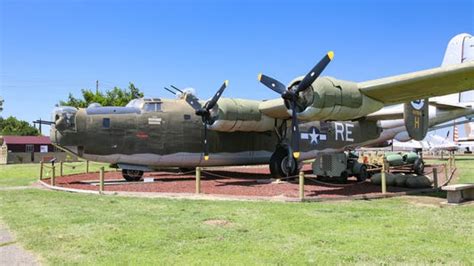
331,55
259,77
206,158
296,155
226,82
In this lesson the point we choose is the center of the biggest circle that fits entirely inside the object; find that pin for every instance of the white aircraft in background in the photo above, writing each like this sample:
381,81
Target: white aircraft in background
432,142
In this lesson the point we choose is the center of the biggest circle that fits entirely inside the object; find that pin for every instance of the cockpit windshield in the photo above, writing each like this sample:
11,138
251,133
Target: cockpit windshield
146,105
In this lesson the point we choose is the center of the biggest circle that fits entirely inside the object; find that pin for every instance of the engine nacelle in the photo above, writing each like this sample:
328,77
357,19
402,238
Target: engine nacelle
332,99
239,115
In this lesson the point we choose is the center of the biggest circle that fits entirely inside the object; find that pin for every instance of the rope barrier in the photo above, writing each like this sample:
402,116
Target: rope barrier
332,184
229,177
71,166
291,177
48,173
184,173
450,178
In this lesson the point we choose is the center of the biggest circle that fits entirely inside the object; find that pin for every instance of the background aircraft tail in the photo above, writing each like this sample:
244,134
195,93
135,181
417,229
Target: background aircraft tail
460,49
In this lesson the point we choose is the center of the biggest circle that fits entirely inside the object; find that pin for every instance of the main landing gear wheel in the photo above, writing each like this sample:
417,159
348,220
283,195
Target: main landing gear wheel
132,175
279,164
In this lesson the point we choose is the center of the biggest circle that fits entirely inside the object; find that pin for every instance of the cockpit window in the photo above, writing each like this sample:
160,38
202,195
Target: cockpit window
152,107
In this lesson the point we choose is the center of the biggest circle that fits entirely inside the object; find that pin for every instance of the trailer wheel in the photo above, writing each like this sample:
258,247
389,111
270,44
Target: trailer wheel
343,177
363,174
419,166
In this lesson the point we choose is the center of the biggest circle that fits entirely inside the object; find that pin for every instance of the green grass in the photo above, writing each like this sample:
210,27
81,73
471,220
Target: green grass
67,228
25,174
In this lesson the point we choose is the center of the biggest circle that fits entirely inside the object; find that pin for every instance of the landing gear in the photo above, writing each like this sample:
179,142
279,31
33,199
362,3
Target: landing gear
279,165
132,175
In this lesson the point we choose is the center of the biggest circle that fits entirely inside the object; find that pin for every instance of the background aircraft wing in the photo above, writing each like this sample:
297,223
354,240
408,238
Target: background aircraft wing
421,84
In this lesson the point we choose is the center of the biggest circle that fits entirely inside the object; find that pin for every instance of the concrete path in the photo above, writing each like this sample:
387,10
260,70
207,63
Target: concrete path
11,253
15,188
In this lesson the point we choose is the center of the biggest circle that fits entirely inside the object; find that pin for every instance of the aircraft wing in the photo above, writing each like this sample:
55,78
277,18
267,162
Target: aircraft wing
419,85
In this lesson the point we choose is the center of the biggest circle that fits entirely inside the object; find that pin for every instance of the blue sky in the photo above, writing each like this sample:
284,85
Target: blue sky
51,48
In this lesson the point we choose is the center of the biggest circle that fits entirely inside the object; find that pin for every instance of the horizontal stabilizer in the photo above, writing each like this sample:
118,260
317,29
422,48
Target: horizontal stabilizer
447,106
386,114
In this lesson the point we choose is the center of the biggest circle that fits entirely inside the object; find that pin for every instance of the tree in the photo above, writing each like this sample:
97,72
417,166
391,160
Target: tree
13,126
114,97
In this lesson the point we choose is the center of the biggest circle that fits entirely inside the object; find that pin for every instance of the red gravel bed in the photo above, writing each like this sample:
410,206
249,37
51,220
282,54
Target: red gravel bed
239,181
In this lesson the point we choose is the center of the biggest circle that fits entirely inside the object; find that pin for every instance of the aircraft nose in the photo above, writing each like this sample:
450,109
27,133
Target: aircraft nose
54,135
64,118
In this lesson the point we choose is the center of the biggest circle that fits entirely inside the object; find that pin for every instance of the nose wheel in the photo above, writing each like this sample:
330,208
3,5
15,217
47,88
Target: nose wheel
132,175
280,166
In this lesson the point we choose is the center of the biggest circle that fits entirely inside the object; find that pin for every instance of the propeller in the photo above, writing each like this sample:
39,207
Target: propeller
205,112
291,95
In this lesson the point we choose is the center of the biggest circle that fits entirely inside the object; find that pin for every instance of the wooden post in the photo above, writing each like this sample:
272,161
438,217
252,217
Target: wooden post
446,172
101,180
87,166
53,175
198,180
301,183
435,177
383,176
41,170
61,168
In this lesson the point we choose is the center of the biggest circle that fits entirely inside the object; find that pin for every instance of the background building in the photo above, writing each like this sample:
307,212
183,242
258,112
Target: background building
29,149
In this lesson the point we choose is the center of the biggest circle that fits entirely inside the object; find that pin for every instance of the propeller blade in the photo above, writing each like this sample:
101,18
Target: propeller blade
206,145
210,104
272,83
315,72
193,101
295,132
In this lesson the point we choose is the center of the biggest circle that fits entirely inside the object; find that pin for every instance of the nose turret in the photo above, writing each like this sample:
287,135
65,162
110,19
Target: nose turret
64,123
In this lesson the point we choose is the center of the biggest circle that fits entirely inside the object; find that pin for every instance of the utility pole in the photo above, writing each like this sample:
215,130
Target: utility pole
97,87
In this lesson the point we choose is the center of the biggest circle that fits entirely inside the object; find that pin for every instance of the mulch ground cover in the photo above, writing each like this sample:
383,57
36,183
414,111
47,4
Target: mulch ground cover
236,181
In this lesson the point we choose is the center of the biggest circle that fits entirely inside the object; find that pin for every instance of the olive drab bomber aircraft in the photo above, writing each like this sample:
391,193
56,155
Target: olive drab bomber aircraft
314,115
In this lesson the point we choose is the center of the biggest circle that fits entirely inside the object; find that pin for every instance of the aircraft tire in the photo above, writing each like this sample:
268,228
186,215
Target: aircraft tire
343,177
419,166
132,175
278,163
363,174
